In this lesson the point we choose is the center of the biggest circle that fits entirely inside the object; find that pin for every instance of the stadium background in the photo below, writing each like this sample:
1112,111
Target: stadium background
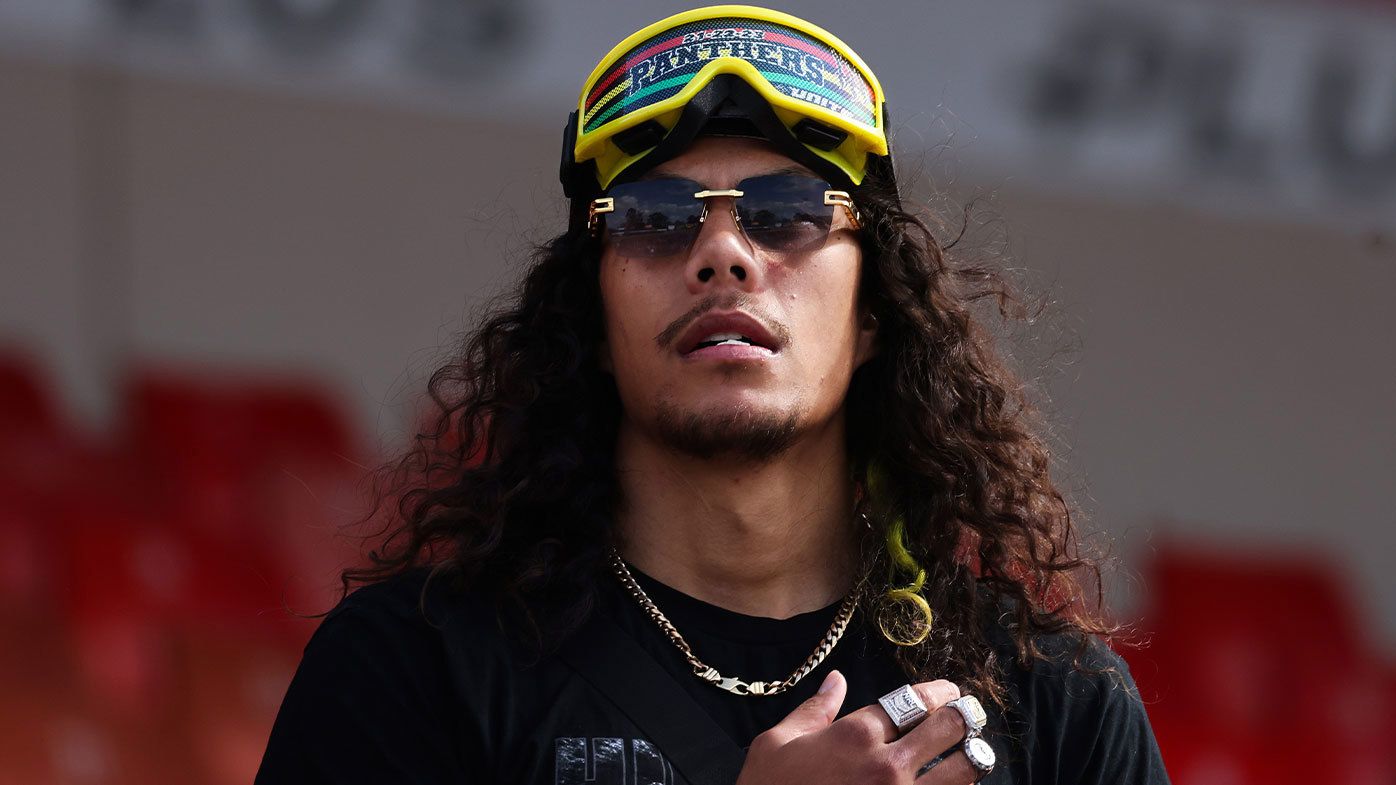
237,235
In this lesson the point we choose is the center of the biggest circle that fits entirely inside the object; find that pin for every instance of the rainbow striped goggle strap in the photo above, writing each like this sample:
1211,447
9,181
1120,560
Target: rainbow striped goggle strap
802,71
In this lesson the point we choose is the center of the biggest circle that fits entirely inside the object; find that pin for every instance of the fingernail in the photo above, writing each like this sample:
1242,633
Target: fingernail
828,683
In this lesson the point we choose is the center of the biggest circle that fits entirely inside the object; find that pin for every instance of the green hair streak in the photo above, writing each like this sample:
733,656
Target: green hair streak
901,628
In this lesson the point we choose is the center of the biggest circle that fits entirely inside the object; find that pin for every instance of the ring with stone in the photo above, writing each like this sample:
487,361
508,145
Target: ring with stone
972,710
904,706
981,756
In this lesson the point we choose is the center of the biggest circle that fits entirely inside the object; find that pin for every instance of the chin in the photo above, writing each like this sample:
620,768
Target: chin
733,432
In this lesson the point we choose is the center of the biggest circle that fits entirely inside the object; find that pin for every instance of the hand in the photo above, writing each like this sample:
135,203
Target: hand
810,747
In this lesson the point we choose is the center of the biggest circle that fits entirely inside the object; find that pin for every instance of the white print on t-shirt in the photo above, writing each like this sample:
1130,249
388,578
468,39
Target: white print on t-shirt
606,763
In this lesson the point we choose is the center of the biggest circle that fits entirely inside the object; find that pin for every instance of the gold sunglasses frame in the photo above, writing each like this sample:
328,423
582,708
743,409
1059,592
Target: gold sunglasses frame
607,204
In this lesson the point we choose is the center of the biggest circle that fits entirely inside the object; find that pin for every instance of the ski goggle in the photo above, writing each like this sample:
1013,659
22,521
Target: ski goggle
661,217
824,95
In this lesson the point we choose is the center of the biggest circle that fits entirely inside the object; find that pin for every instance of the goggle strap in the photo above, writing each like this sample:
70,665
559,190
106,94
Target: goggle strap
882,168
574,177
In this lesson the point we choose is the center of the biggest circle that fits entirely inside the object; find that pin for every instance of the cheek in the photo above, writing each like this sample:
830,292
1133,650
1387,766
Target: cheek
822,301
616,296
629,308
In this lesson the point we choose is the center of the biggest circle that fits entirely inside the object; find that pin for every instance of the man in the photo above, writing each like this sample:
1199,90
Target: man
736,490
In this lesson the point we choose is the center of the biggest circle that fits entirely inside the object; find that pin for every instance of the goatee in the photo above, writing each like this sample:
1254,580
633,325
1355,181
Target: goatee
732,433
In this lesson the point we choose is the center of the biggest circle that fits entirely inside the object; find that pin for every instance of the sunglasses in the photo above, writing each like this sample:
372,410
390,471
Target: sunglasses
786,213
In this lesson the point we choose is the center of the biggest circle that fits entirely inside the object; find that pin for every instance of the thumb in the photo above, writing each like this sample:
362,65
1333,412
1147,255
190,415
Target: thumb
819,711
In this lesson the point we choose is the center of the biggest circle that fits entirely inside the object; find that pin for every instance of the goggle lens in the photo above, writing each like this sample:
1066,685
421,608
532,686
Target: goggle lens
784,213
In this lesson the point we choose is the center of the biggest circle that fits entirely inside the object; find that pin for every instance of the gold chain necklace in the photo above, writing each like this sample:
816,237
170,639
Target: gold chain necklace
708,673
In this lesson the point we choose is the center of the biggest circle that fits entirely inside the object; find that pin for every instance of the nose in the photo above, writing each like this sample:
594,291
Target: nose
721,255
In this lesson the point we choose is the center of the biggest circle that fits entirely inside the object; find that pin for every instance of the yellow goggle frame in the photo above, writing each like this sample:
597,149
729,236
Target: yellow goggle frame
806,75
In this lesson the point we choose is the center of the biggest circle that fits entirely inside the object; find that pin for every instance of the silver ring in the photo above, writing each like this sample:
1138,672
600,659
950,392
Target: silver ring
904,706
972,711
981,756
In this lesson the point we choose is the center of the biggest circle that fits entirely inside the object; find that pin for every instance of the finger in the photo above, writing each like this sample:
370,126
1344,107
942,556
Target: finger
953,769
879,724
940,731
817,712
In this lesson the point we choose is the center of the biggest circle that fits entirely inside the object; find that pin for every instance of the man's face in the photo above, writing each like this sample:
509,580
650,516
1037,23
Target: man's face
750,402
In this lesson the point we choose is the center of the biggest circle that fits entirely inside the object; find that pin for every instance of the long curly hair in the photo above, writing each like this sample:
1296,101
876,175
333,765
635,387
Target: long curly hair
511,489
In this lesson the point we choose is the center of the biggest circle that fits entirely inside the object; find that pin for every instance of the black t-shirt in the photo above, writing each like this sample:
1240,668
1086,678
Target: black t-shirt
386,695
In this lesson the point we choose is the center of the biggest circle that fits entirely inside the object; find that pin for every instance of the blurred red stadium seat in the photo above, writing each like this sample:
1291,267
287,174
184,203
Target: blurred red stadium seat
229,690
54,731
119,576
28,402
1252,657
36,448
150,587
260,467
203,416
26,549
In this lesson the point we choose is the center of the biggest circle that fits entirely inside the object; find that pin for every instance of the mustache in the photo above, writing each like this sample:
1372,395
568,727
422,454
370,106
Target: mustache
731,301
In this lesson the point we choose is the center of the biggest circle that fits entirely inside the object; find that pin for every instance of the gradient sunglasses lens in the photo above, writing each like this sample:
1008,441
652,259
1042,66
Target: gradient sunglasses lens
654,218
785,212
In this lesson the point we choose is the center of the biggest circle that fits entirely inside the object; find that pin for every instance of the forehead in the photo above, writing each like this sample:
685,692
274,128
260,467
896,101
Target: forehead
722,162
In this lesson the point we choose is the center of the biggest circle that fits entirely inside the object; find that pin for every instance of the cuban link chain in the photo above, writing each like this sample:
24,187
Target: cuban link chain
708,673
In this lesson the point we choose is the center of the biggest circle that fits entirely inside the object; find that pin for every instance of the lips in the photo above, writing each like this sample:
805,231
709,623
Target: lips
726,329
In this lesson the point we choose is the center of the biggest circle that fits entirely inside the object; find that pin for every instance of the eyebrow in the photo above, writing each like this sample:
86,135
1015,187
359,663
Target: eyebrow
660,172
